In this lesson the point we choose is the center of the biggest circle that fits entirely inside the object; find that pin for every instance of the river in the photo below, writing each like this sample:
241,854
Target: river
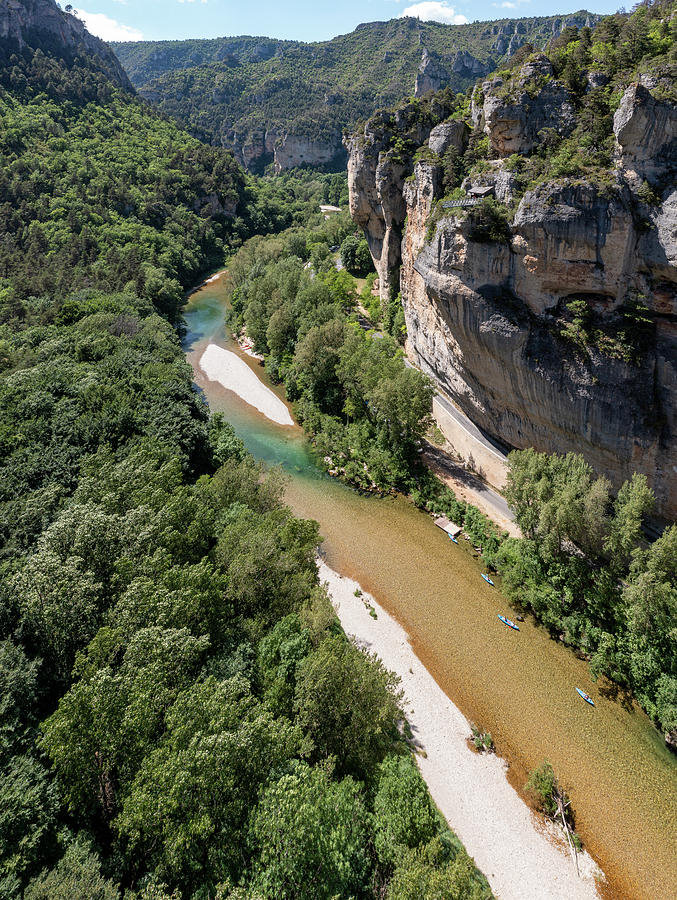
519,686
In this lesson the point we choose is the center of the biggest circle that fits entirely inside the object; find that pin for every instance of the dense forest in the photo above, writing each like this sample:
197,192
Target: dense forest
230,90
181,715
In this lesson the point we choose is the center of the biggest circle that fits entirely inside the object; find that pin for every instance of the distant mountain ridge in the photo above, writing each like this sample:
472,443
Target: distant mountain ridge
287,102
42,24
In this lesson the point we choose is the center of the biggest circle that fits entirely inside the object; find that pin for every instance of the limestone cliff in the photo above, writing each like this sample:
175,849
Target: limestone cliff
377,167
41,23
489,316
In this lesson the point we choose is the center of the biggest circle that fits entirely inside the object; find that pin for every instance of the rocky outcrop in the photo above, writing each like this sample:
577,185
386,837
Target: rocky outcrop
573,239
376,177
646,134
40,23
468,66
431,75
252,150
488,320
258,149
516,110
447,135
291,150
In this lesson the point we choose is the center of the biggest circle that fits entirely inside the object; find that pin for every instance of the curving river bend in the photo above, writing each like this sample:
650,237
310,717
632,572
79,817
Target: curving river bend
520,687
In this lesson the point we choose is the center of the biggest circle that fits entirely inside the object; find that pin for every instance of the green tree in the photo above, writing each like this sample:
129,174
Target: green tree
349,705
430,874
28,819
402,407
279,654
18,695
310,837
404,816
189,802
106,725
76,877
355,256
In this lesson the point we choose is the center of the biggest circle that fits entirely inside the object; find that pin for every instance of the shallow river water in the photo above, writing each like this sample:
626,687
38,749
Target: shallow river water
519,686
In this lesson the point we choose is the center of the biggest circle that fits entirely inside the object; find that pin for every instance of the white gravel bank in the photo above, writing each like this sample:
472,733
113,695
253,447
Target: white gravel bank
234,374
509,845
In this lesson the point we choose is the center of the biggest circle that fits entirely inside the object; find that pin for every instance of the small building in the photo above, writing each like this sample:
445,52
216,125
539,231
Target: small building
447,525
481,191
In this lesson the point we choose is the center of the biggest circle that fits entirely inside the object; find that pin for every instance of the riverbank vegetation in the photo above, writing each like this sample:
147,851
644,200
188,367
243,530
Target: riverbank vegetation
181,715
585,571
582,567
365,411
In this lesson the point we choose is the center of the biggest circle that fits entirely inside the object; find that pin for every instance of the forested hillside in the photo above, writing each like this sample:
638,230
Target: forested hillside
288,102
180,714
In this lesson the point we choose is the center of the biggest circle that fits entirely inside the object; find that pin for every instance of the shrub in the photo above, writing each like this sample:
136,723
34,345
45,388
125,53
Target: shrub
489,223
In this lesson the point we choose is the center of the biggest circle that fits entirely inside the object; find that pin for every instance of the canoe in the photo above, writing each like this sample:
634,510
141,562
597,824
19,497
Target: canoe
487,579
508,623
586,697
452,538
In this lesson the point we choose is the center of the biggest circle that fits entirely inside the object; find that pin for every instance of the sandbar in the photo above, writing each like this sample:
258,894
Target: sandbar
234,374
519,854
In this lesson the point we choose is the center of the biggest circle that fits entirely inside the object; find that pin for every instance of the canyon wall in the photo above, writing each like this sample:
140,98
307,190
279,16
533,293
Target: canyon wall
489,318
41,23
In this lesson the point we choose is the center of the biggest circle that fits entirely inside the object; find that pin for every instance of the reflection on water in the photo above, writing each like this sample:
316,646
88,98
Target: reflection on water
519,686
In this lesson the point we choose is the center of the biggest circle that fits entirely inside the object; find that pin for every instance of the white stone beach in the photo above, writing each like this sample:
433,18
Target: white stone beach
234,374
519,854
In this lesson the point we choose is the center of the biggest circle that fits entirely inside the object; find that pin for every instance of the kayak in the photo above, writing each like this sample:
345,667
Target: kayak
452,538
586,697
508,623
487,579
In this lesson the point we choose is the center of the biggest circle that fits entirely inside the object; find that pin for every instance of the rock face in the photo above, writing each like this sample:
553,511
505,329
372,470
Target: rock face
468,66
448,134
285,151
41,23
292,150
646,134
482,320
514,112
376,176
487,320
376,179
431,75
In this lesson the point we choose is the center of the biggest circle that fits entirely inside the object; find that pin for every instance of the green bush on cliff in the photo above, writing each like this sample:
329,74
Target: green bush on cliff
489,222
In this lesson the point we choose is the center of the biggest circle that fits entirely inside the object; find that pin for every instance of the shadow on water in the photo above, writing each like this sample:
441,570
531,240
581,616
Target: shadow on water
617,694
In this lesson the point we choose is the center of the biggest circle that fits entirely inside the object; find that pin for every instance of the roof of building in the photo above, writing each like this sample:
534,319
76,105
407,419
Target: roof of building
481,190
448,526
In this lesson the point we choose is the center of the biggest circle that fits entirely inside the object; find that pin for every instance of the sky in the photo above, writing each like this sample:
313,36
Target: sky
304,20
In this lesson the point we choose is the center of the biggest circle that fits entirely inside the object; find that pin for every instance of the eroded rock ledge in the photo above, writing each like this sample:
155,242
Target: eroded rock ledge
486,318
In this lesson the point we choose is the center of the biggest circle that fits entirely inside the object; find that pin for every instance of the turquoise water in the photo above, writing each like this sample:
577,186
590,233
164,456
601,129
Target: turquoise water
520,687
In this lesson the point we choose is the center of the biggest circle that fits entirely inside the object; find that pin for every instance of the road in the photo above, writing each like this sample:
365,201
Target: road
486,496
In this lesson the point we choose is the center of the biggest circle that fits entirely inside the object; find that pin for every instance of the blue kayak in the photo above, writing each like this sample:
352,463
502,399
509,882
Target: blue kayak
452,538
487,579
586,697
508,623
